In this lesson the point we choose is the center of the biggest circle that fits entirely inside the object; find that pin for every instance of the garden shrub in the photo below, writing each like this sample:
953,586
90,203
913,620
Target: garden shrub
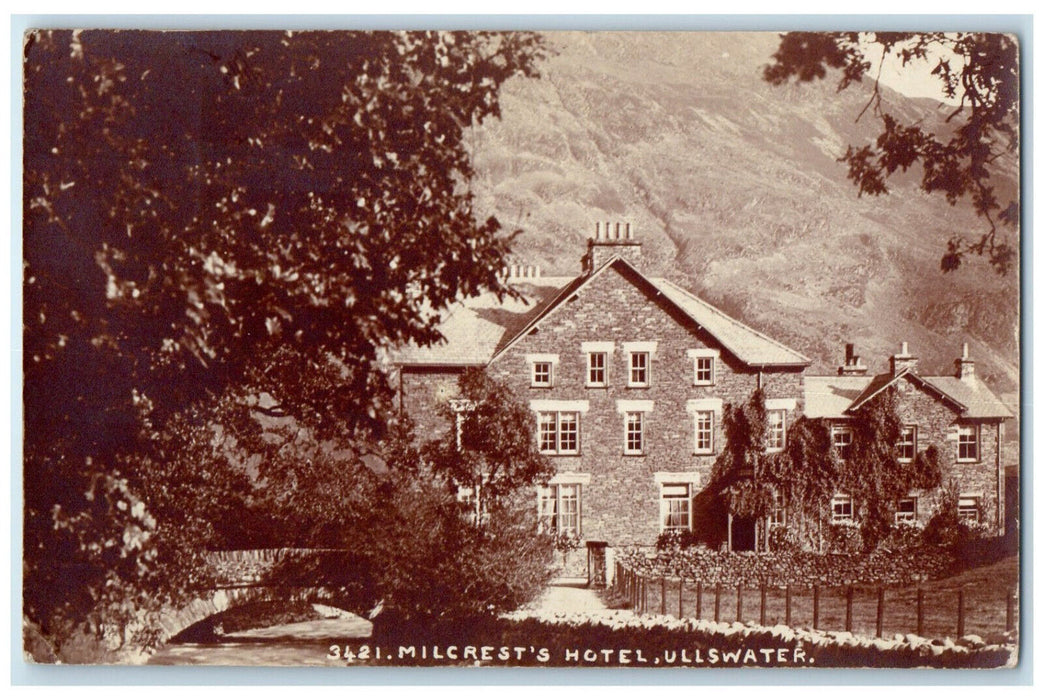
842,538
784,540
677,539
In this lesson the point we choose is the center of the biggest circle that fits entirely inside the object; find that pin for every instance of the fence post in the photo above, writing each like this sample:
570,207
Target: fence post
815,606
960,612
699,600
663,595
920,612
848,609
739,602
1010,619
645,594
788,604
681,597
717,602
762,618
880,611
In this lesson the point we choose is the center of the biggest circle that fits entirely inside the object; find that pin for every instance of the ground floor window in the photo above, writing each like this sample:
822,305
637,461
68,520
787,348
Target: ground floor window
841,509
675,507
778,514
560,508
968,509
906,510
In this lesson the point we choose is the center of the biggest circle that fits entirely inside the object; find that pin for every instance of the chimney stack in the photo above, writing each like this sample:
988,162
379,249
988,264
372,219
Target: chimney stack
965,366
903,360
611,239
853,366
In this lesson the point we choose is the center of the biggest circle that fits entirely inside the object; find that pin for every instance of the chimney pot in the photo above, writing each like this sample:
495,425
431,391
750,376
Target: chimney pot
906,349
964,353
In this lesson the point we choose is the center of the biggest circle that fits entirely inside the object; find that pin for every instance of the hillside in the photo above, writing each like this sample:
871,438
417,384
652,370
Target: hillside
733,186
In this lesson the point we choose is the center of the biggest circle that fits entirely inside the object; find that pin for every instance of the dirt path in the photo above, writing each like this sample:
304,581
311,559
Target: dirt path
568,596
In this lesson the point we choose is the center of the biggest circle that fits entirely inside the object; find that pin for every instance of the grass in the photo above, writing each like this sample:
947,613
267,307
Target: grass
986,592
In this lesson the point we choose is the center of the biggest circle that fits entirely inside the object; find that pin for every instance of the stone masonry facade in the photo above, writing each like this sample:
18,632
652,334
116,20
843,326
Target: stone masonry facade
621,495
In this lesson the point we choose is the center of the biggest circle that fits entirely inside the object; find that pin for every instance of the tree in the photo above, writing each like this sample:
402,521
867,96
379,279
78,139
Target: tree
740,472
206,211
489,447
807,473
980,137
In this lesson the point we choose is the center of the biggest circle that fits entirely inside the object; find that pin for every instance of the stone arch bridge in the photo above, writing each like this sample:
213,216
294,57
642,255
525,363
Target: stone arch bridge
240,577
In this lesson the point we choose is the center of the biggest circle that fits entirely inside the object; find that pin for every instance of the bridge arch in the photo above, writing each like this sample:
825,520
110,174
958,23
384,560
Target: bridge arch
217,601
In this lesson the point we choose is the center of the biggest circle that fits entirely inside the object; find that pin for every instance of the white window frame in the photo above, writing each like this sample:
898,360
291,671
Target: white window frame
838,431
551,499
555,420
708,416
539,360
708,356
634,350
675,492
633,368
778,513
774,430
840,499
969,508
630,416
604,369
903,443
902,516
964,430
591,348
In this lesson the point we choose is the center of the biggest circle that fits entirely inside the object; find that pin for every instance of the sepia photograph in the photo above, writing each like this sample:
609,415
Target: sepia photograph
584,349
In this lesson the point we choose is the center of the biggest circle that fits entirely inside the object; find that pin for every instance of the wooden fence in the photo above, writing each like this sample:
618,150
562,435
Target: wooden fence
865,610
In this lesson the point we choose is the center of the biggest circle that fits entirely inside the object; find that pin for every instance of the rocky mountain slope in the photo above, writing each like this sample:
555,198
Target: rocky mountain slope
733,186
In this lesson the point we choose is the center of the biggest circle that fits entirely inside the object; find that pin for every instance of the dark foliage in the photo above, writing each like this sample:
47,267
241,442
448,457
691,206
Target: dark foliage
981,135
226,216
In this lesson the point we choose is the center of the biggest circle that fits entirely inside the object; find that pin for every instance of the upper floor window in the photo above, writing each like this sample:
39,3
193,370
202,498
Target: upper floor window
559,432
968,508
704,421
842,439
634,433
777,430
543,373
560,508
907,445
704,363
906,510
597,369
675,507
638,371
542,370
968,443
841,509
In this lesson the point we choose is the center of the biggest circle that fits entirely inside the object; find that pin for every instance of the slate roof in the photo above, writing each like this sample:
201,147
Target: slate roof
474,328
836,396
750,346
478,329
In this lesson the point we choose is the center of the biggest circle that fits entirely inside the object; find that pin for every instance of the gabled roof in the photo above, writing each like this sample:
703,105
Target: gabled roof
979,401
839,396
749,346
